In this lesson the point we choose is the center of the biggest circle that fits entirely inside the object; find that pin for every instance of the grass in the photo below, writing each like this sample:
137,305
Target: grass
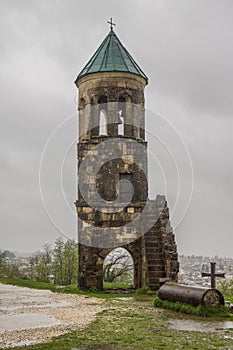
117,285
138,326
28,283
216,312
129,326
71,289
229,298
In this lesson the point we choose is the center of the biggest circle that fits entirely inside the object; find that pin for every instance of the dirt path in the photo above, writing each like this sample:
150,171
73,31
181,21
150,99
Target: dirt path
29,316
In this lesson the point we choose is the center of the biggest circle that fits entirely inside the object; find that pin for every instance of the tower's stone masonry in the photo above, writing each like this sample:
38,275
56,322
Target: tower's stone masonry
110,90
112,85
154,254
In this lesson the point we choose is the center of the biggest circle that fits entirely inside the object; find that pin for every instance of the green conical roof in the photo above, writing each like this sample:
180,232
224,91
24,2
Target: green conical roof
111,56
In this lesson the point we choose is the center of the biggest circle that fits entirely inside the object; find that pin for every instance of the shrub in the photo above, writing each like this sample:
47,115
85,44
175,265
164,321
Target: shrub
226,287
220,311
143,290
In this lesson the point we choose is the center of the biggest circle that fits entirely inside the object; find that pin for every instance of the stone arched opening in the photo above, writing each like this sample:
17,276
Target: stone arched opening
122,100
103,115
103,124
118,267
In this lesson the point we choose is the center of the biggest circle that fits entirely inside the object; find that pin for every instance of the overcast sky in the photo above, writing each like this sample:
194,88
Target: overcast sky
185,48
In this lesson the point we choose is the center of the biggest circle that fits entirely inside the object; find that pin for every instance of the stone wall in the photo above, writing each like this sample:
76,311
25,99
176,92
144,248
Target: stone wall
133,160
110,90
154,253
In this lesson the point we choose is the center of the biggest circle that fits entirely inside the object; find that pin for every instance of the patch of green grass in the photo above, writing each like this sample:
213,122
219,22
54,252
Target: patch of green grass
28,283
145,290
105,294
129,326
71,289
117,285
220,311
229,298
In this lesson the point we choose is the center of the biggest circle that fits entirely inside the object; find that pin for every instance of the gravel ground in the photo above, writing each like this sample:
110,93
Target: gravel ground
29,316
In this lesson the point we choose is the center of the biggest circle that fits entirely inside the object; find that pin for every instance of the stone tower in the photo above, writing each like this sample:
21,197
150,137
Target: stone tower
113,206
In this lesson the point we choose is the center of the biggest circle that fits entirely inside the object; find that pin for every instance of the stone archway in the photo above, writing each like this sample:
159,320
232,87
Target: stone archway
118,267
154,253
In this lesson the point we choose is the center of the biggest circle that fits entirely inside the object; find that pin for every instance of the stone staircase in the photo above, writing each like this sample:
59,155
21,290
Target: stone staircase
154,247
155,258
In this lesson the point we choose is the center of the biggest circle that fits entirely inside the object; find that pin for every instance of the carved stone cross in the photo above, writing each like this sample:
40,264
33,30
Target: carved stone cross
213,274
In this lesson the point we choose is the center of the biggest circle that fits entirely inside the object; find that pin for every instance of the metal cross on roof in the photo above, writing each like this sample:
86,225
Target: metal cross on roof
111,24
213,274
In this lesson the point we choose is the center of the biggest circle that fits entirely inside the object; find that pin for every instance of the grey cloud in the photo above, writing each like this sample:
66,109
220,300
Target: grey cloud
185,47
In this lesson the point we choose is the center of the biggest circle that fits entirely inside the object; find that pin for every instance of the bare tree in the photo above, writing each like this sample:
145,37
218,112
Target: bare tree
118,266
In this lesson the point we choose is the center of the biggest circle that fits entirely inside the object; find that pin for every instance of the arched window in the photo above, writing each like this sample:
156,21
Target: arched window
103,127
121,124
122,112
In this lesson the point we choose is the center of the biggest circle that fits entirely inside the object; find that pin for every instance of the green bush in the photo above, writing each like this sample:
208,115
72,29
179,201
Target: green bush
143,290
226,287
220,311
